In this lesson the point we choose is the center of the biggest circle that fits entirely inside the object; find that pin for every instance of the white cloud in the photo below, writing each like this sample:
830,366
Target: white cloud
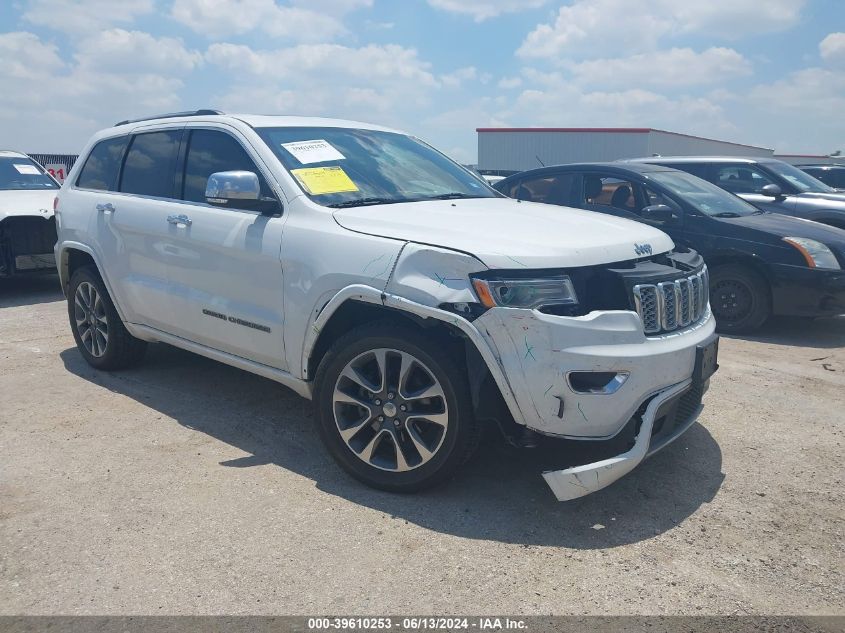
736,18
24,55
337,7
674,67
818,94
84,16
509,83
832,49
630,26
799,113
388,84
566,105
122,52
483,9
49,104
226,18
320,64
459,76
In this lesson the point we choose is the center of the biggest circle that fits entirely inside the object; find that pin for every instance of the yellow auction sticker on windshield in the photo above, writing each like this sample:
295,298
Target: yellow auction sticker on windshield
322,180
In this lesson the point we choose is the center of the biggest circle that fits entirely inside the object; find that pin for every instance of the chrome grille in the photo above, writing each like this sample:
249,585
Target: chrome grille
670,305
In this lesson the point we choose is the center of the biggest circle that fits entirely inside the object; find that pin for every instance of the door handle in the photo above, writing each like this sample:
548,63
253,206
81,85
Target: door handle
179,219
108,206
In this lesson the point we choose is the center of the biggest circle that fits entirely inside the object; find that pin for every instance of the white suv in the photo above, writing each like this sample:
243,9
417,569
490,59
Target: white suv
365,270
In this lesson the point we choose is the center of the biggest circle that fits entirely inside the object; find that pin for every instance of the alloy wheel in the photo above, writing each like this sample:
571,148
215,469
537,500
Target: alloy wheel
390,410
92,322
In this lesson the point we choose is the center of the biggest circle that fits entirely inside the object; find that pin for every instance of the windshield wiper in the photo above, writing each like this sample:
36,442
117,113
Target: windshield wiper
727,214
362,202
454,195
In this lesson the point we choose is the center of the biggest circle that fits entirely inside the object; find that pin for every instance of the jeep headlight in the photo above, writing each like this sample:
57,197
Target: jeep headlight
525,292
815,253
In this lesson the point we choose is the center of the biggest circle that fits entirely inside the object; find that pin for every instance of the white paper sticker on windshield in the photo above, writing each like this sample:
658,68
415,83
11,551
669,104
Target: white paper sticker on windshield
27,169
316,151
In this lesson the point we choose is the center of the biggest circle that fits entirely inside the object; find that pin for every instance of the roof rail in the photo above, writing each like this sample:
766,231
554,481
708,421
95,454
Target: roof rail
170,115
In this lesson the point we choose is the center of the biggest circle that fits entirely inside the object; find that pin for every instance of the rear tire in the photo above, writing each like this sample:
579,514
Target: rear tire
393,408
99,333
740,298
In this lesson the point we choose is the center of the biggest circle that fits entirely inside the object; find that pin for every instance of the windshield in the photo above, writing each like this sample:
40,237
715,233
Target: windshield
341,167
22,173
704,196
799,179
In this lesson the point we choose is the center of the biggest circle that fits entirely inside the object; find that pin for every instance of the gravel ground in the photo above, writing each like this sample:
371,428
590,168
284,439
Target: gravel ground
186,486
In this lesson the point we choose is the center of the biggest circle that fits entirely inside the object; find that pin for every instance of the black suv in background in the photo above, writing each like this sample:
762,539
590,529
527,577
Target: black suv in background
769,184
760,263
831,175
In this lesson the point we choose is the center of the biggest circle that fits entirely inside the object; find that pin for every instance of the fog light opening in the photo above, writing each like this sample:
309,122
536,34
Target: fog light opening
597,382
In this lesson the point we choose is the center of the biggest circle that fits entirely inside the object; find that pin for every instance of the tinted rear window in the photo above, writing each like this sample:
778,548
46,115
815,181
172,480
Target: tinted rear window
150,164
101,166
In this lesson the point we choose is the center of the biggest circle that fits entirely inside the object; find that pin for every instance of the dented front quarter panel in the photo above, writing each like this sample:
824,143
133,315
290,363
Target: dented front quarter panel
538,350
433,276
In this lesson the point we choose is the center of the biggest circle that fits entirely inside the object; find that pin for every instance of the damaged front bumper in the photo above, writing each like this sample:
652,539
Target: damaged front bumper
26,245
652,395
665,417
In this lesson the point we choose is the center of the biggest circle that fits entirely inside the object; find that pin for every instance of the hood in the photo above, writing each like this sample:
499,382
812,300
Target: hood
37,202
837,198
780,226
506,233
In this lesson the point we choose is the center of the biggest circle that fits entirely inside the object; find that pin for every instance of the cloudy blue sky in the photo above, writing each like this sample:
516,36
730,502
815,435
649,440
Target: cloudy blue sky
765,72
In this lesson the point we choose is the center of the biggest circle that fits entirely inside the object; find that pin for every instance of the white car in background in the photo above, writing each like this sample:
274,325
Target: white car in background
27,225
366,271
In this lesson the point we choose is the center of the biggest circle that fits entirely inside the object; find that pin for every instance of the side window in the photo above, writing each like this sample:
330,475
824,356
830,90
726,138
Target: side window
210,151
653,198
696,169
742,178
101,166
151,163
513,189
554,189
607,191
832,177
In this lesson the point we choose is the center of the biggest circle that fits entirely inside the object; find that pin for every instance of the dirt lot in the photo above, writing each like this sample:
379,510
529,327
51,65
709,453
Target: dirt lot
185,486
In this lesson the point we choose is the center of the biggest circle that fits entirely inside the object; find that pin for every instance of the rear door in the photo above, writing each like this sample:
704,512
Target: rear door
226,288
133,229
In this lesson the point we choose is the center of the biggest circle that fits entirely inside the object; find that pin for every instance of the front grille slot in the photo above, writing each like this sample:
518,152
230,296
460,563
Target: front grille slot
669,305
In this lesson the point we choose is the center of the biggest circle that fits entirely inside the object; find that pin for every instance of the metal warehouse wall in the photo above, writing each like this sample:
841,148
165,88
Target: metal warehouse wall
668,144
519,150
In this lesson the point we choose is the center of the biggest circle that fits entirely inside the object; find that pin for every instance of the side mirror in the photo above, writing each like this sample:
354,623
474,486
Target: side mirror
239,190
657,213
224,186
771,190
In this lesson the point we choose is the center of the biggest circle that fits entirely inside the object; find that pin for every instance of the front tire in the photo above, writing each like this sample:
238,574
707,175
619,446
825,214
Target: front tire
393,408
740,299
100,335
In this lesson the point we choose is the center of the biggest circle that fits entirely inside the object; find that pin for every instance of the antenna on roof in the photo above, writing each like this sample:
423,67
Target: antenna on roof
539,161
